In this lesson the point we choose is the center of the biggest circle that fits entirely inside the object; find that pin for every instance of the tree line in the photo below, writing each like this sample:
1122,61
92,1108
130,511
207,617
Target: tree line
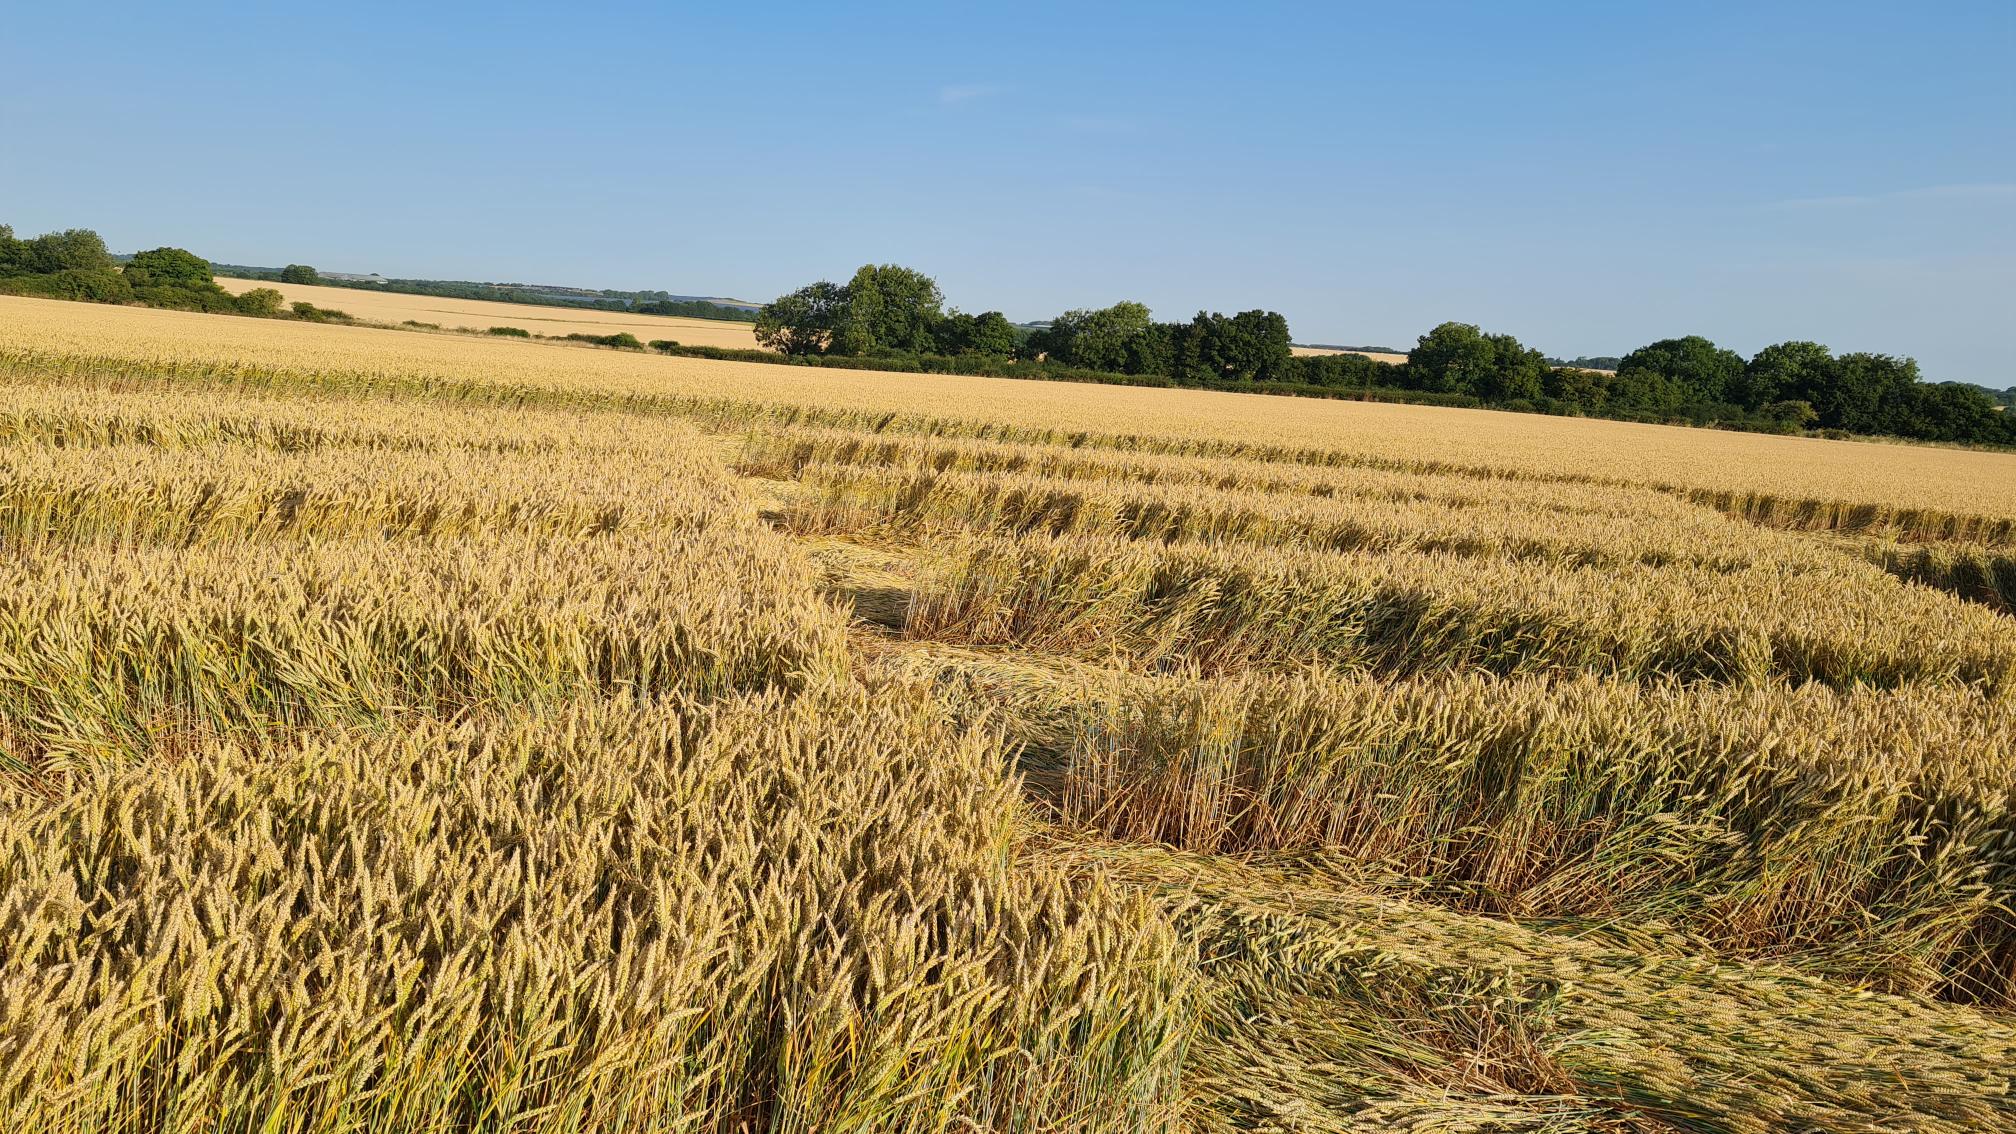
75,264
896,317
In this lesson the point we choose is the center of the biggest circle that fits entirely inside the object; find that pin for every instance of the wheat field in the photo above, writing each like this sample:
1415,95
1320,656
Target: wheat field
1376,356
554,321
408,732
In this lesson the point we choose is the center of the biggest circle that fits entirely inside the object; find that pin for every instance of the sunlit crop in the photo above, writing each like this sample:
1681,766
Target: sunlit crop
414,732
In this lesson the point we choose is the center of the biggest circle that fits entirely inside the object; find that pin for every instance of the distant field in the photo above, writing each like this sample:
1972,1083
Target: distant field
430,734
479,315
1375,356
1945,481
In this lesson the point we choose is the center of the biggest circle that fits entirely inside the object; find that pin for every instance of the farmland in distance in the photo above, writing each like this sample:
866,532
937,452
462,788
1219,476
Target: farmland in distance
556,321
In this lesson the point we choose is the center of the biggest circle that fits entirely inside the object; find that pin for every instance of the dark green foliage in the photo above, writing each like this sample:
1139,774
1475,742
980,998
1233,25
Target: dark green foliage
178,279
262,301
805,321
1251,346
1115,338
694,309
168,267
1787,389
988,333
623,340
92,285
300,274
1672,373
1588,362
72,250
1348,372
887,307
313,314
663,346
510,332
1459,358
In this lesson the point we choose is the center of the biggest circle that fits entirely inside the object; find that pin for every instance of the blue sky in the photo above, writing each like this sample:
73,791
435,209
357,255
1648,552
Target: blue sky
1589,177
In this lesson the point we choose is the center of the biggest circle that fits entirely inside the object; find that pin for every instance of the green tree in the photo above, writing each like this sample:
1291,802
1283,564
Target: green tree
805,321
1103,339
988,333
300,274
1785,372
262,301
73,249
1867,391
1672,373
1789,416
1252,346
888,308
95,285
1459,358
168,267
10,252
1581,387
1452,358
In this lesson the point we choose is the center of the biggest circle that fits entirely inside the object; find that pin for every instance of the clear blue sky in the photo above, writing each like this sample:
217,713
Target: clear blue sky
1588,176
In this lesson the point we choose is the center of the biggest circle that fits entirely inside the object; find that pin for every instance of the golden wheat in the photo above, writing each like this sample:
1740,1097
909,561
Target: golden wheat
553,320
410,732
1929,480
792,914
1406,612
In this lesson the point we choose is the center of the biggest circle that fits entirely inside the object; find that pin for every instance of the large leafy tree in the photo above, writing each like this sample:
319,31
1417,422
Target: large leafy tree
1868,389
1785,372
1252,346
889,308
1676,372
169,267
988,333
1101,339
805,321
1460,358
1452,358
72,250
300,274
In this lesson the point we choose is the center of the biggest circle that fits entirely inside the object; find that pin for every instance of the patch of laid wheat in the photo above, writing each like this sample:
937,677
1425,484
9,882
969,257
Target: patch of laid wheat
787,453
1398,613
1874,829
1326,1007
879,502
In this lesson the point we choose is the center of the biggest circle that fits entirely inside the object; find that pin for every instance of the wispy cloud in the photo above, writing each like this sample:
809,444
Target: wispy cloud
1978,190
958,93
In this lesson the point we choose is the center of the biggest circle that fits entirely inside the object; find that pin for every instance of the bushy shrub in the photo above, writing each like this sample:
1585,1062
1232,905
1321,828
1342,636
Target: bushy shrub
261,301
95,285
510,332
168,267
623,340
313,314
